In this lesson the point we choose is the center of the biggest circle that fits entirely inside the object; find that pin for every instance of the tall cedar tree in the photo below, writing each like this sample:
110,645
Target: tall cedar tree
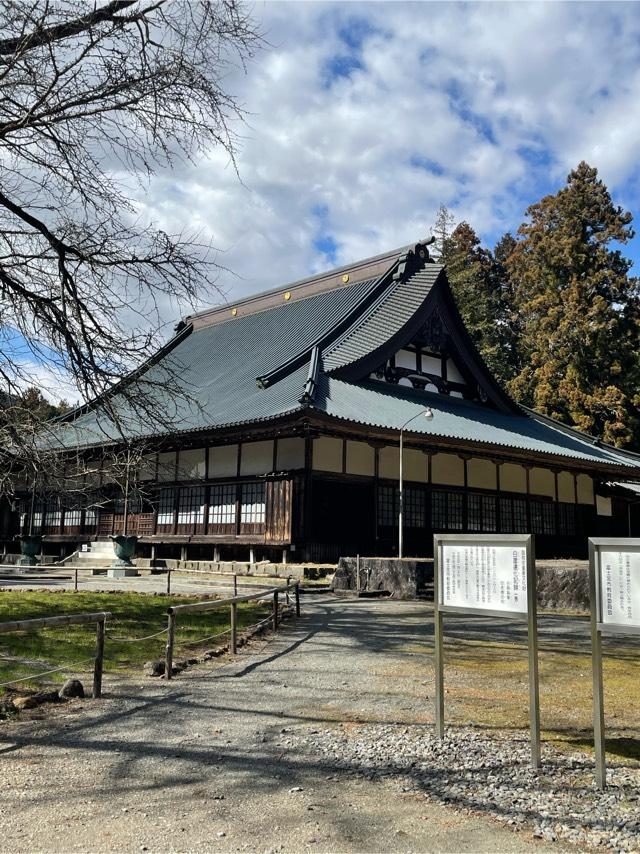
579,311
477,281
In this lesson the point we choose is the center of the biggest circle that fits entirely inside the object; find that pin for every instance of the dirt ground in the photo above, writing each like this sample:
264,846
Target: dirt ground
208,762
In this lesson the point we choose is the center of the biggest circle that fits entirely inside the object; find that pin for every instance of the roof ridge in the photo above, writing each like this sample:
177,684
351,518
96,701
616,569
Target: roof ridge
348,320
353,273
429,267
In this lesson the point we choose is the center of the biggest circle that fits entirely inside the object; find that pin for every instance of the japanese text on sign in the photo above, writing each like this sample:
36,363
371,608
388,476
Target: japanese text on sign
620,587
489,577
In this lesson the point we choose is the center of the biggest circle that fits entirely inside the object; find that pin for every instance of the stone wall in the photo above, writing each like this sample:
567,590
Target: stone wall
561,583
402,579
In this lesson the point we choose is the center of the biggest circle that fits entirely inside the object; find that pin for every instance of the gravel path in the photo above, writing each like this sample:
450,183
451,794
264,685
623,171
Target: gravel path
302,743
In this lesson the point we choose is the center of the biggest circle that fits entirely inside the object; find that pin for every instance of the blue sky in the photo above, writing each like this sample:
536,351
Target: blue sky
364,117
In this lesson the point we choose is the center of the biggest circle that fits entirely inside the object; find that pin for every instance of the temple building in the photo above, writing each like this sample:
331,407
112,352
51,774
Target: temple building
285,442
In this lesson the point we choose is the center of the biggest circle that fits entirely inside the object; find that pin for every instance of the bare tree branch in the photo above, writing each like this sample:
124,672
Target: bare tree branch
94,99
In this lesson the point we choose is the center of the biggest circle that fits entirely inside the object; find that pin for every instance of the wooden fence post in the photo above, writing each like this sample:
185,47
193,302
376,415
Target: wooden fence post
171,630
75,580
275,610
235,584
234,628
168,581
287,590
297,598
97,667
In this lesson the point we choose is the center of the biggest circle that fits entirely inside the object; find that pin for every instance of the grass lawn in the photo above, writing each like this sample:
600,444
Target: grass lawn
134,615
487,685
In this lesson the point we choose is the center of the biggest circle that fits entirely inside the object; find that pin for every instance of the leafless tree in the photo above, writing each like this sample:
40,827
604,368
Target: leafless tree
94,98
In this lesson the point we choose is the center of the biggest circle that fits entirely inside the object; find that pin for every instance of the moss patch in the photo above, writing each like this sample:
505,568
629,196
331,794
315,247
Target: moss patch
134,615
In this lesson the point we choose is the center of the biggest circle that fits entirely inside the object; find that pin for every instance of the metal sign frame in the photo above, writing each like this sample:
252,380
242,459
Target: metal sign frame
596,546
530,616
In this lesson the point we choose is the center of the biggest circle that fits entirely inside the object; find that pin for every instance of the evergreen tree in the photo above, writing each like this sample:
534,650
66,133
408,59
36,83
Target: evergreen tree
442,229
579,311
508,318
477,284
35,403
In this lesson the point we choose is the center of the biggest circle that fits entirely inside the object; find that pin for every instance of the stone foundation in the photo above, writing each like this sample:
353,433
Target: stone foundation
561,583
402,579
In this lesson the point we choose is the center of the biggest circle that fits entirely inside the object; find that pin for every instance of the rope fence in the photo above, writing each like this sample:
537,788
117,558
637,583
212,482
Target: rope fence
232,603
67,667
63,572
100,619
136,640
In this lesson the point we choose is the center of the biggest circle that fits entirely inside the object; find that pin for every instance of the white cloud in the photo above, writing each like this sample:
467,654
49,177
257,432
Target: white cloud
499,100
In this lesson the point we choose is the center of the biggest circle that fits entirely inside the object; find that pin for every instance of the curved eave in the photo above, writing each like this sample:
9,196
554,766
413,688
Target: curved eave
442,442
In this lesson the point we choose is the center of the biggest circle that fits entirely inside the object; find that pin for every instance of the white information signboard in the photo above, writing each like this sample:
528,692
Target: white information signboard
614,590
489,575
484,576
620,586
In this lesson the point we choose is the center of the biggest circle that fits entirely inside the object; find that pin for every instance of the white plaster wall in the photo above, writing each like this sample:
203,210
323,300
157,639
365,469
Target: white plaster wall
256,457
566,488
542,482
223,461
192,464
360,458
415,465
447,469
290,453
482,474
513,478
406,359
167,466
389,462
327,454
585,489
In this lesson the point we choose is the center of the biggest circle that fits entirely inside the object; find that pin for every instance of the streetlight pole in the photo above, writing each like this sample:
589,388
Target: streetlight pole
428,414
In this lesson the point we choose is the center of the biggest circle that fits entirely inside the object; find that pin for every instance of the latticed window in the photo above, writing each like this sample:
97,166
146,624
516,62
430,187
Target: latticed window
252,504
413,511
439,511
447,511
455,516
567,519
548,518
53,514
387,510
513,516
38,512
520,525
481,512
506,516
90,517
134,504
222,504
166,506
191,506
73,517
543,519
474,512
489,521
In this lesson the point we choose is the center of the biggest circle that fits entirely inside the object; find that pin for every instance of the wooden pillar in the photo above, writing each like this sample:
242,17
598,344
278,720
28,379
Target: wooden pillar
252,554
171,630
233,646
97,667
216,554
183,553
